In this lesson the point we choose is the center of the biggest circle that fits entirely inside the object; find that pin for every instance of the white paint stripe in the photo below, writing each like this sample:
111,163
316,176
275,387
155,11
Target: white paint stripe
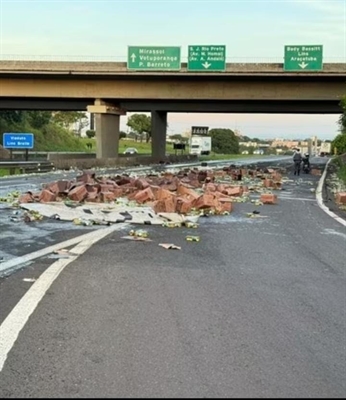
16,320
320,199
8,265
295,198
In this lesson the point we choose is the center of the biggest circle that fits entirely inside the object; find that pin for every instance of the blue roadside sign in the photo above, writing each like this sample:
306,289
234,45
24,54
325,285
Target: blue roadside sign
18,140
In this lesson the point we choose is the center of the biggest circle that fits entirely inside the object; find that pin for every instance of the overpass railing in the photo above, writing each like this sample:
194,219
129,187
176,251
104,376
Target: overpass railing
123,58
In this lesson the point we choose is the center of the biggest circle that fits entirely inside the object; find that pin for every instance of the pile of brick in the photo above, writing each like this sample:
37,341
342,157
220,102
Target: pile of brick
182,192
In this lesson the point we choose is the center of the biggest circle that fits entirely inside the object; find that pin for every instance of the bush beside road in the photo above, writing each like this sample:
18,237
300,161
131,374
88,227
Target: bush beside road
335,184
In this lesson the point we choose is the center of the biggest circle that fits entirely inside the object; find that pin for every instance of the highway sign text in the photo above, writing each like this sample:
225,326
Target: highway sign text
206,58
153,58
303,58
18,140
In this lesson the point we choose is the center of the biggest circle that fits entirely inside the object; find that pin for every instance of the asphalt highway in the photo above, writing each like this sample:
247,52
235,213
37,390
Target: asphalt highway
255,309
18,238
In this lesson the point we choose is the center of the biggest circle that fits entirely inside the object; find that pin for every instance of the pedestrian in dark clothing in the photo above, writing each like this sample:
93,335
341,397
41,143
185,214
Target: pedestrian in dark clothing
297,159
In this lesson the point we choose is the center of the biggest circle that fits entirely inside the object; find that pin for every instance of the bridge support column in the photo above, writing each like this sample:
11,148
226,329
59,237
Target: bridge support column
107,121
107,135
158,134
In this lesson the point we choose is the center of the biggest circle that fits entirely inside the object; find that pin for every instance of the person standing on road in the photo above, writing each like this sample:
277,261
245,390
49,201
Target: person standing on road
297,159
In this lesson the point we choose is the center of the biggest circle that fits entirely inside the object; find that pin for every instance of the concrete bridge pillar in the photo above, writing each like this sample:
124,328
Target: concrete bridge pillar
107,121
158,134
107,135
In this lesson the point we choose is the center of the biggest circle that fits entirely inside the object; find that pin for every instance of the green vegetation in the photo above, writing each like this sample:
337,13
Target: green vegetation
90,133
339,144
340,163
6,172
342,173
50,132
141,125
342,120
224,141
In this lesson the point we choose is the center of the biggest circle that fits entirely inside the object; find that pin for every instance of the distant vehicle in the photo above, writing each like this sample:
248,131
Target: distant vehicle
260,152
130,150
325,149
200,145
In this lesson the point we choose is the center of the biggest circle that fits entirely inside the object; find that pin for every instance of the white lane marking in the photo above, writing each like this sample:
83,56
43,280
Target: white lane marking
295,198
333,232
16,320
320,199
8,265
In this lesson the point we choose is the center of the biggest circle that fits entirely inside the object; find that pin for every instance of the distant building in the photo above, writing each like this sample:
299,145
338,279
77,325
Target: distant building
289,144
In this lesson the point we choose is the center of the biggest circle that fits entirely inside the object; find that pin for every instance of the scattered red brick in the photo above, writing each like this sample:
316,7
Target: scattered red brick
340,198
141,183
47,196
58,187
268,183
210,187
163,194
234,191
105,188
226,207
107,196
315,171
204,201
79,193
26,198
167,205
185,191
183,205
269,198
189,189
144,195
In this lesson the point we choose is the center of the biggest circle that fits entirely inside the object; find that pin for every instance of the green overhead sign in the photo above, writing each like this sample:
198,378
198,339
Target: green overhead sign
155,58
206,58
303,58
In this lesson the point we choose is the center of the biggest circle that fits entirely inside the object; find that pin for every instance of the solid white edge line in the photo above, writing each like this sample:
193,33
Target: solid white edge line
8,265
320,199
16,320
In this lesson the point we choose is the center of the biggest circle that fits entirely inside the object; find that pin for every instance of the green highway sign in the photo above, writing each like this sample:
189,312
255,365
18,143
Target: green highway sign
303,58
149,58
206,58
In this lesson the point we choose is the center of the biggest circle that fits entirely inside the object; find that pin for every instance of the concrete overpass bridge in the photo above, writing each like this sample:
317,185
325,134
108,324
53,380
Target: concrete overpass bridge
110,90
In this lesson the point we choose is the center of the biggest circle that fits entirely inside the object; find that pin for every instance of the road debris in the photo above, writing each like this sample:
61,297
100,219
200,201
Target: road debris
29,280
188,224
190,238
168,199
340,198
169,246
62,253
139,233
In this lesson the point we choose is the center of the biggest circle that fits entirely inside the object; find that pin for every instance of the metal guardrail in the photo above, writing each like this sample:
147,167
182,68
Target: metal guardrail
27,166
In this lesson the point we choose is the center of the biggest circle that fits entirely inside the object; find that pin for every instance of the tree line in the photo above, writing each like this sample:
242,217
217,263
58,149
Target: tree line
52,130
339,143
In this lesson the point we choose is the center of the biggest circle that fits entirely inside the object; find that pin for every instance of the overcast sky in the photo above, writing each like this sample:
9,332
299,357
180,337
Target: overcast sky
252,30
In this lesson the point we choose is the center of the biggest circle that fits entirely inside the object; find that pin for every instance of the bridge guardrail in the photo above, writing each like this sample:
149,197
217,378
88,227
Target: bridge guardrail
27,166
